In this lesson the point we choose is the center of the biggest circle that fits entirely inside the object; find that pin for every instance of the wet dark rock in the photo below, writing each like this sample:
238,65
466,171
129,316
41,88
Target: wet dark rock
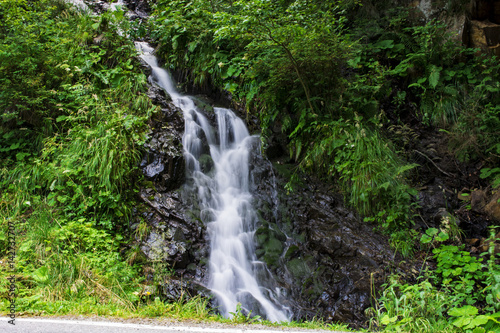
163,160
141,8
203,103
175,237
206,163
98,6
174,289
158,96
172,234
325,260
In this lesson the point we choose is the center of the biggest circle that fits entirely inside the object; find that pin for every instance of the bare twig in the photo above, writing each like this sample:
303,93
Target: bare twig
430,160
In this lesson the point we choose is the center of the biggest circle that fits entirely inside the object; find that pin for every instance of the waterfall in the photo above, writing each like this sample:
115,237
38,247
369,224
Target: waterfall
224,199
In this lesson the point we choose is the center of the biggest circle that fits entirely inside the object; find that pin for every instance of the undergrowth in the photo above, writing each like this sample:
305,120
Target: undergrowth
340,91
73,121
461,295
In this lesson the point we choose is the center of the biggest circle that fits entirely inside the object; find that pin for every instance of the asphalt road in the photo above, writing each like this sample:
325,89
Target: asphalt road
32,325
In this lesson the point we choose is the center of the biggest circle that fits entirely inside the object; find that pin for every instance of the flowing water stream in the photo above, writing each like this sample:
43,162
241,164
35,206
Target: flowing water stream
225,201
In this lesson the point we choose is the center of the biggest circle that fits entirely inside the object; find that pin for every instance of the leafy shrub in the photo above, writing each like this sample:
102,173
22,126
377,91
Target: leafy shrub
462,292
73,120
460,271
411,308
285,59
80,144
369,170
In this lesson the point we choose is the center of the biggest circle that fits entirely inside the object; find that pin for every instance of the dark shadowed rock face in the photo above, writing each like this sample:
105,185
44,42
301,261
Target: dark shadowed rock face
163,161
324,258
175,238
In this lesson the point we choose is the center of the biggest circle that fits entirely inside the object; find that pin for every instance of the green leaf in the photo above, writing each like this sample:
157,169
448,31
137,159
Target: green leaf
385,185
462,321
467,310
478,321
405,168
41,275
231,87
231,70
353,62
434,76
425,239
431,231
15,146
119,13
21,156
386,320
192,46
442,236
384,44
116,80
486,172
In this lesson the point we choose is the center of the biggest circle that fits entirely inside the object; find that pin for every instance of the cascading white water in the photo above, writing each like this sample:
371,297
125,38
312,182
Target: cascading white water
225,201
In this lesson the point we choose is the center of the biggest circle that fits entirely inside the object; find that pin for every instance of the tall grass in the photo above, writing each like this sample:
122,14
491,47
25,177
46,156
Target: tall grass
67,167
371,173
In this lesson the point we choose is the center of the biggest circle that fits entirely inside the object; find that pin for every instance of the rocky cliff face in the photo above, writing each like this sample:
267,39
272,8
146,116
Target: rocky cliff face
324,258
174,237
476,23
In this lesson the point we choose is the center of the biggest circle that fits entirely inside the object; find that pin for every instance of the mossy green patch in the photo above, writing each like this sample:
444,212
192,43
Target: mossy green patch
299,269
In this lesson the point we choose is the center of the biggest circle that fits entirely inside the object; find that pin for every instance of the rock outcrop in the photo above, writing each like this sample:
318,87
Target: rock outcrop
175,238
475,23
325,259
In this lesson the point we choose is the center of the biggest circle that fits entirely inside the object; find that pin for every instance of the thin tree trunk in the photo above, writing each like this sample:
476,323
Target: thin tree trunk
294,64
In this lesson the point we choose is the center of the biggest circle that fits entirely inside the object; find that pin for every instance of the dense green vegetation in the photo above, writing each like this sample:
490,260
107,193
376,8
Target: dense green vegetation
461,295
343,87
74,119
74,116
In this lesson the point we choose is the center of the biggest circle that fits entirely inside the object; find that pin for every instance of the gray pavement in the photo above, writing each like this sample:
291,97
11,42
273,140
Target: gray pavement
35,325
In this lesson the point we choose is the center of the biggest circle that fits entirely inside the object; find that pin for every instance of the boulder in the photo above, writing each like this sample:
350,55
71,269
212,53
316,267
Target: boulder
493,207
485,35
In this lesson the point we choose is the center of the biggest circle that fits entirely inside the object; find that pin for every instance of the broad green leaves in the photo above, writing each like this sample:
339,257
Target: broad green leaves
433,234
467,318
